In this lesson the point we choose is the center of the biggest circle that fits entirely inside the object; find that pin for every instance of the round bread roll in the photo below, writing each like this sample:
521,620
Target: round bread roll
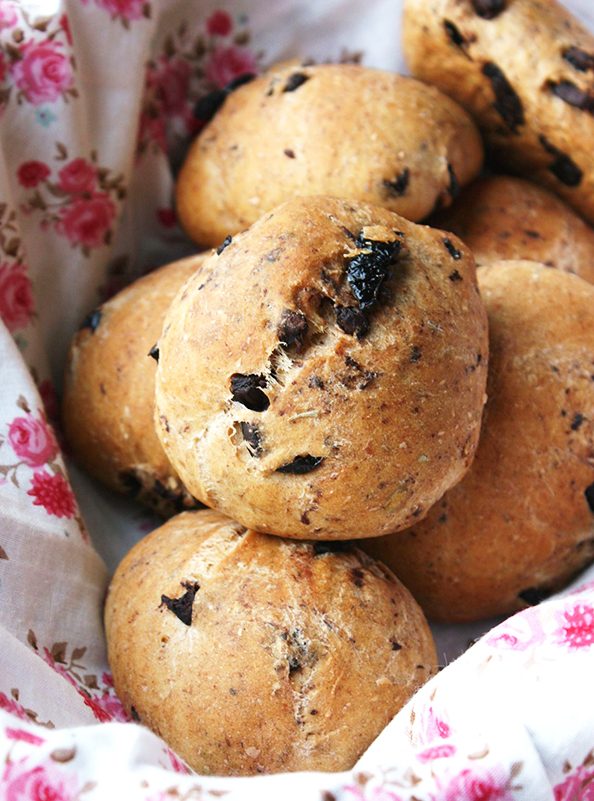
508,218
252,654
533,101
521,523
327,379
332,129
109,387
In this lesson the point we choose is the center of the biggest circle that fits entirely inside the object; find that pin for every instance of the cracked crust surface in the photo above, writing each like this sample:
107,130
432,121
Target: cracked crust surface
501,217
346,130
108,405
327,380
295,657
521,522
533,103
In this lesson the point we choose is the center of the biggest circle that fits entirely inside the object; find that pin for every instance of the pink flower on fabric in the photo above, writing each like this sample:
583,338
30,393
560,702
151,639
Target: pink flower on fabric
431,727
437,752
16,296
520,632
53,493
77,176
577,627
126,9
106,707
23,736
8,15
65,25
578,786
86,221
219,24
227,63
173,84
471,786
46,782
12,706
32,440
32,173
3,67
176,763
358,793
43,73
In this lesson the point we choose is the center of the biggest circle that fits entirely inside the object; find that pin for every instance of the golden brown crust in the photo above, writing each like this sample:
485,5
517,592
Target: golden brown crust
108,405
508,218
520,523
393,415
294,658
533,102
346,131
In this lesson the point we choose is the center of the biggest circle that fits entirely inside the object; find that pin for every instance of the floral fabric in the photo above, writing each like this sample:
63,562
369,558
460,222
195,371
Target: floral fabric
97,103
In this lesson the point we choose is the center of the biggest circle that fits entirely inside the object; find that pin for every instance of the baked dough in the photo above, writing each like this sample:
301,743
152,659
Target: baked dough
108,405
326,380
252,654
500,217
521,523
332,129
525,70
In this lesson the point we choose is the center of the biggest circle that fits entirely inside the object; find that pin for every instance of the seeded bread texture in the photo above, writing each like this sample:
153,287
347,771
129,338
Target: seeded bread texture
326,379
252,654
502,218
524,69
332,129
108,405
521,522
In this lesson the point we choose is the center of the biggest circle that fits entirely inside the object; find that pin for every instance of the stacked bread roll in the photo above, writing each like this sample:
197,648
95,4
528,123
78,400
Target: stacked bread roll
320,378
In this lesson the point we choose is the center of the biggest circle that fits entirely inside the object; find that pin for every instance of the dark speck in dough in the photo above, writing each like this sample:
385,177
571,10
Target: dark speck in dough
294,81
589,493
182,606
224,244
578,58
301,464
507,103
292,327
247,389
398,185
368,270
92,321
452,250
488,9
154,352
352,321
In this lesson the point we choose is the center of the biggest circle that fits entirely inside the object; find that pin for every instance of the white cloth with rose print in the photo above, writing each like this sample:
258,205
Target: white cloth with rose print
92,95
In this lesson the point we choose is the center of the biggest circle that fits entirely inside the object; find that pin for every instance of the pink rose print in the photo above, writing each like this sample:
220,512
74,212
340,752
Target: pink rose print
3,70
470,786
77,176
9,705
32,440
173,82
86,221
45,782
430,726
520,632
354,792
43,73
31,173
23,736
53,493
578,786
124,10
8,15
65,25
577,627
16,296
219,24
227,63
176,763
437,752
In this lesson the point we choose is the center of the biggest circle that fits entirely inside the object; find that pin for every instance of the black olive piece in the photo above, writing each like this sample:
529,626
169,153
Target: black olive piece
368,270
578,419
247,390
182,606
224,244
563,167
415,354
207,106
452,250
134,714
578,59
352,321
534,595
398,186
154,352
455,276
251,435
454,185
488,9
91,321
589,493
294,81
454,34
301,464
571,94
507,103
292,327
